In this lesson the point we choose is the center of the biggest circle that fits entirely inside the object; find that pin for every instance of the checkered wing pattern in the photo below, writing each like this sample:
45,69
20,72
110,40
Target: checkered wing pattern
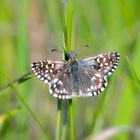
95,71
47,70
92,83
54,73
105,63
85,77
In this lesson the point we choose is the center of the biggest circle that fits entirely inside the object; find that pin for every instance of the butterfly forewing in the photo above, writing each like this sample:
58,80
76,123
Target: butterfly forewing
105,63
47,70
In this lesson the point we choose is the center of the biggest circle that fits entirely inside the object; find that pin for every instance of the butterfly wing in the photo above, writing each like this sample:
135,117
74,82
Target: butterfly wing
94,72
56,75
92,82
61,86
105,63
47,70
89,77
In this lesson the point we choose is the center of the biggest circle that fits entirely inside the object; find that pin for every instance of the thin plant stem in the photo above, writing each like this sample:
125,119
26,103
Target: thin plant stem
22,59
25,104
132,70
29,109
65,120
58,125
72,135
11,84
67,47
19,80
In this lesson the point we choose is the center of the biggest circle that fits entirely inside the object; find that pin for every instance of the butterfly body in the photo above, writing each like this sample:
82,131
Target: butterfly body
84,77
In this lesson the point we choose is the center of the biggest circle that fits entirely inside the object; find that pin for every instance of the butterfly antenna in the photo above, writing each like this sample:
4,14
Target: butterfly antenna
83,48
87,46
55,50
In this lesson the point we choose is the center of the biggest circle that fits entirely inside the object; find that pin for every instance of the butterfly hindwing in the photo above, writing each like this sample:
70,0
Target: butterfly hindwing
92,82
55,74
61,86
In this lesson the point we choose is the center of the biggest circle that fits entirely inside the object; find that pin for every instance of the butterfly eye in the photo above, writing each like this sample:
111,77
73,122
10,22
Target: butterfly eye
70,55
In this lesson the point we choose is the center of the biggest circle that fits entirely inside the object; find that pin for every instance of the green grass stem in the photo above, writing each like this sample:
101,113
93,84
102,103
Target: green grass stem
71,112
68,20
133,71
58,124
26,105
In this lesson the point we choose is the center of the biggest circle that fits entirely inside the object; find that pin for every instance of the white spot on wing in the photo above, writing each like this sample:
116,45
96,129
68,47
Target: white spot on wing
49,78
67,97
42,78
104,59
55,80
106,64
109,73
102,89
89,94
59,96
33,68
115,66
38,76
50,90
92,87
93,78
54,85
52,65
32,65
55,95
51,70
94,93
46,81
98,75
56,90
105,84
63,97
60,82
64,90
98,60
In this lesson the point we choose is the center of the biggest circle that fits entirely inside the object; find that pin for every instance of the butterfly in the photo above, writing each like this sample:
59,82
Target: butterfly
76,77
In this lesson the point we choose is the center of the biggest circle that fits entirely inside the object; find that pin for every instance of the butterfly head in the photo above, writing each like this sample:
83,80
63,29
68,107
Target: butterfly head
71,55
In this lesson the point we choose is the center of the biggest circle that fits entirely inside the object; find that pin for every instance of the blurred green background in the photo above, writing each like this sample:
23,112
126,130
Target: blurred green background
29,29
